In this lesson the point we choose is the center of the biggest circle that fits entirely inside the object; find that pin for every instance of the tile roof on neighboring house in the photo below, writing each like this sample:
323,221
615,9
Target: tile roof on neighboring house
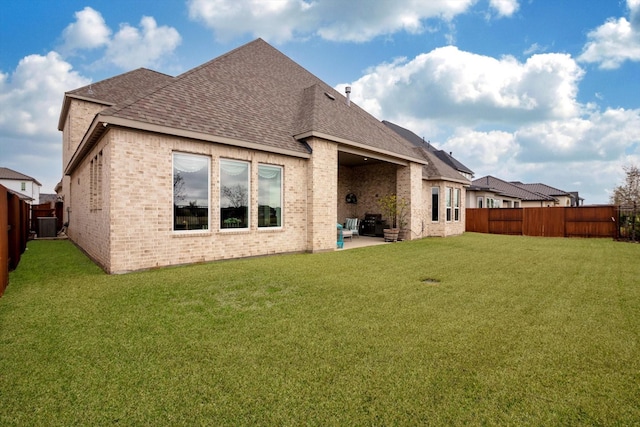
498,186
10,174
420,142
254,97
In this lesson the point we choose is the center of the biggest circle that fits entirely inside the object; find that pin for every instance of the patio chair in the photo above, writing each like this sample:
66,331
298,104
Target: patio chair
352,225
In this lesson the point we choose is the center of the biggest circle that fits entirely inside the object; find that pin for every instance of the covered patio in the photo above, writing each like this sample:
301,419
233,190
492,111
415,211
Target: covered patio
361,242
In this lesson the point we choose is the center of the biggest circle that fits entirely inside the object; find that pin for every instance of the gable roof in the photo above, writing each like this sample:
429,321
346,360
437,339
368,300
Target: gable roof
542,189
254,97
436,168
420,142
504,188
10,174
115,90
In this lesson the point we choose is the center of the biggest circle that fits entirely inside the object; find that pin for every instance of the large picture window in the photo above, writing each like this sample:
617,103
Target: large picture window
269,196
435,203
190,192
234,194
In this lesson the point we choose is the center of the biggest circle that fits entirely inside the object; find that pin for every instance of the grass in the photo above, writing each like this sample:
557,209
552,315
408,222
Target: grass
474,330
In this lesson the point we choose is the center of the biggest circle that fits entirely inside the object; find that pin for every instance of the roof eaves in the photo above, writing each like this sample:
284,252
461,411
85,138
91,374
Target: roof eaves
388,154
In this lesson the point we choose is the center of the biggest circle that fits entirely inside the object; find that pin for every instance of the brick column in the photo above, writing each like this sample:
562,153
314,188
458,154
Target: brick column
322,193
409,187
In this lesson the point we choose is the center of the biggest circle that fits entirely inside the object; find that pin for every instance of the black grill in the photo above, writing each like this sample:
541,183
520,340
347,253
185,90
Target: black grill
372,225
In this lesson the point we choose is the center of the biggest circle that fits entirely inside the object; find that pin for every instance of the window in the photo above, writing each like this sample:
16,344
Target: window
448,197
480,202
190,192
456,205
23,186
234,194
269,196
435,192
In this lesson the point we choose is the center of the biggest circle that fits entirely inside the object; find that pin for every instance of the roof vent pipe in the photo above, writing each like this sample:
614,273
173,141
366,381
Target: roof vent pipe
347,90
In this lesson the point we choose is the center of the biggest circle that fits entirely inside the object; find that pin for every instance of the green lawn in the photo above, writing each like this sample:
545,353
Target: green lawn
475,330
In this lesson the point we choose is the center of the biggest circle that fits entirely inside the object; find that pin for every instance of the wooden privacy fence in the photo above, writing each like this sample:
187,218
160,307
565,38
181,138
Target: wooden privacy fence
584,221
14,232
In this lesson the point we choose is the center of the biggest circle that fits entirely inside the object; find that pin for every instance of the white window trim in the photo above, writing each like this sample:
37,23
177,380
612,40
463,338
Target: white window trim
278,227
249,216
192,231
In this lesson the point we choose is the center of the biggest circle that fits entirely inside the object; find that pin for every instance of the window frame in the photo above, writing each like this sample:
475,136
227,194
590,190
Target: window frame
456,205
232,228
281,197
435,204
208,198
448,203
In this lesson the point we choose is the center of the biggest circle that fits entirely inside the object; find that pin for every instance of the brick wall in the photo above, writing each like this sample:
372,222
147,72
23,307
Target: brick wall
136,221
409,188
369,183
89,224
442,228
79,117
322,211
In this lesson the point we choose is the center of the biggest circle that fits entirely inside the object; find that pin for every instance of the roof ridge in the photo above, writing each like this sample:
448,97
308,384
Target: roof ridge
118,76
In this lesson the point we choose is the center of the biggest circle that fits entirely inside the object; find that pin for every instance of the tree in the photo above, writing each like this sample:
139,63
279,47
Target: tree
178,188
628,194
236,195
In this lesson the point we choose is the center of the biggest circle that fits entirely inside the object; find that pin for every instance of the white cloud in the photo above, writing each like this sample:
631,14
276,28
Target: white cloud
454,87
597,136
133,48
615,41
485,148
336,20
129,48
505,7
30,99
88,32
507,118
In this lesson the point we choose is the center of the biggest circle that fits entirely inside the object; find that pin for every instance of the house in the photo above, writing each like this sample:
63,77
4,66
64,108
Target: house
445,176
492,192
560,197
26,187
248,154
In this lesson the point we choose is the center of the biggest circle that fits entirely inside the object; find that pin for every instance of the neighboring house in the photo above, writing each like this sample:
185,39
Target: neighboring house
447,179
26,187
492,192
560,197
248,154
49,199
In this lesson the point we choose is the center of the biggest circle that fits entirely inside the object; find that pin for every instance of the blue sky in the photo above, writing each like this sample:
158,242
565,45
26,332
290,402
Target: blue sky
526,90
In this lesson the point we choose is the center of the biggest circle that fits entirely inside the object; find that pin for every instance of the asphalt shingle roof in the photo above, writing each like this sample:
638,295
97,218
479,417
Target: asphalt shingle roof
118,89
496,185
10,174
542,189
442,155
258,95
436,168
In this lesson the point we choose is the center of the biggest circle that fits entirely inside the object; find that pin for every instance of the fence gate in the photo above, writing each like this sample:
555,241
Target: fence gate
629,223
